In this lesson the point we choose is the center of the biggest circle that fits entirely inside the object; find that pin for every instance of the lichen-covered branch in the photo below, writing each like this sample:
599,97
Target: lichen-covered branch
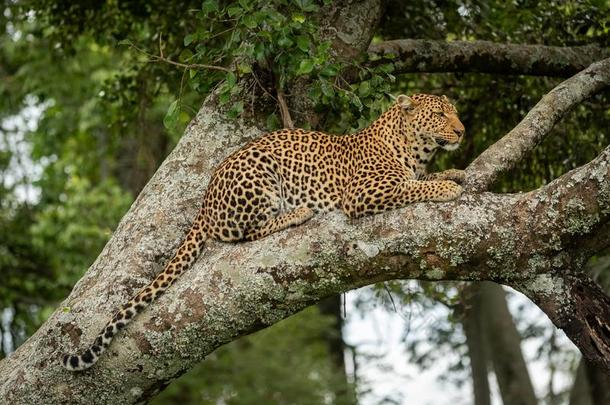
510,150
420,55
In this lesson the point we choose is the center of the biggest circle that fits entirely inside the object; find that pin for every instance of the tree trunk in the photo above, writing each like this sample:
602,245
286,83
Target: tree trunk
472,320
505,347
599,383
331,306
581,391
592,384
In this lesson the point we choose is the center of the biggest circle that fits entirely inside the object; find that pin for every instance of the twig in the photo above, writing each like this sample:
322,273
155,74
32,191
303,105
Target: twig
284,112
385,287
161,58
263,87
160,45
191,65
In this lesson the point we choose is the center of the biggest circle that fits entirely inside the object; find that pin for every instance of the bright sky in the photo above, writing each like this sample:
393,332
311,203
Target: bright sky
380,332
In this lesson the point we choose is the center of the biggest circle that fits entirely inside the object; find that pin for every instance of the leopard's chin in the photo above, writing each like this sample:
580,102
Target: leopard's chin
451,146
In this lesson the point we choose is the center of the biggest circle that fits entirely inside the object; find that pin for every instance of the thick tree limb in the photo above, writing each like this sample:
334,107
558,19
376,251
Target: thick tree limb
533,241
420,55
510,150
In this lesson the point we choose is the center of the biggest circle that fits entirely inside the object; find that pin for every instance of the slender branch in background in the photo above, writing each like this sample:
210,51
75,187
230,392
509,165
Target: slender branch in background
161,58
189,65
420,55
537,124
284,110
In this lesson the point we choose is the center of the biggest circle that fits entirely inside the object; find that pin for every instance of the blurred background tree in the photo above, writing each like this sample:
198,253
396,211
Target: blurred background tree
93,96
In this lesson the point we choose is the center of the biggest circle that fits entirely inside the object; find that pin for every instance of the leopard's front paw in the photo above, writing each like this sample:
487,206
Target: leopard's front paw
456,175
450,190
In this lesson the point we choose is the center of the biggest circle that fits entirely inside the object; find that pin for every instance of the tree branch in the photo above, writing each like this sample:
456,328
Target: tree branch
420,55
510,150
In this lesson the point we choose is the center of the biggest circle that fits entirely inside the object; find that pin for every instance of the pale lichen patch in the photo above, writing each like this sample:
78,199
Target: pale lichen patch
545,285
370,250
136,392
435,274
578,220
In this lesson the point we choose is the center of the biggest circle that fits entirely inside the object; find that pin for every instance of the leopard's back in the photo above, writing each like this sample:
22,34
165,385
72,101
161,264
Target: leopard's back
279,172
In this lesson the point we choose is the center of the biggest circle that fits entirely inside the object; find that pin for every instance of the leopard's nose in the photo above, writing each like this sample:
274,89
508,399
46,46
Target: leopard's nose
459,132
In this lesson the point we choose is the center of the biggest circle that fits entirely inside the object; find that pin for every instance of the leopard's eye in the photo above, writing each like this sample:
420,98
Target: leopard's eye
439,113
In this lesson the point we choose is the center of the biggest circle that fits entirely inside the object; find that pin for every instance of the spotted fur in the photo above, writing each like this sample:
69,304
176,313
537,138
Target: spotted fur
285,177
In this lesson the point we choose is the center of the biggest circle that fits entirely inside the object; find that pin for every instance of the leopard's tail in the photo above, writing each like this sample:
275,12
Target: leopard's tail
185,256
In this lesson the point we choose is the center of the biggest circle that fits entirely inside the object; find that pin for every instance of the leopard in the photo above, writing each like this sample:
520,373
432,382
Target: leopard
285,177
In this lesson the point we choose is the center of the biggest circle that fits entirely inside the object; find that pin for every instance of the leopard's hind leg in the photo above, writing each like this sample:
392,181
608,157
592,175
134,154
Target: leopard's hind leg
277,223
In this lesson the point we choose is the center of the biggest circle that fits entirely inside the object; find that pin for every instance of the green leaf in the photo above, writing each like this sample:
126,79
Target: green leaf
387,68
259,52
364,89
224,98
171,117
236,109
185,55
329,71
189,39
244,68
327,89
250,21
298,18
273,122
305,67
231,79
184,117
303,43
245,4
356,101
306,5
285,42
209,5
235,10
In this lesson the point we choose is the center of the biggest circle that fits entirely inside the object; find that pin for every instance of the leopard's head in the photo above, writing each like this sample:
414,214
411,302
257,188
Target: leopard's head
432,117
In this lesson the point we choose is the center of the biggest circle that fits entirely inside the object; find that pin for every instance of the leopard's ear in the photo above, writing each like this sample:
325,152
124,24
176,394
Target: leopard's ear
406,102
445,98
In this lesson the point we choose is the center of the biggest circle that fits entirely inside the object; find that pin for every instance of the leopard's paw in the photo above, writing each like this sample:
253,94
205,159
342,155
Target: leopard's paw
450,190
456,175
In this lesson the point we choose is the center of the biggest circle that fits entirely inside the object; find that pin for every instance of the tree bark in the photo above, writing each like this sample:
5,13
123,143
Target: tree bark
333,337
580,394
591,383
472,320
505,348
420,55
236,289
